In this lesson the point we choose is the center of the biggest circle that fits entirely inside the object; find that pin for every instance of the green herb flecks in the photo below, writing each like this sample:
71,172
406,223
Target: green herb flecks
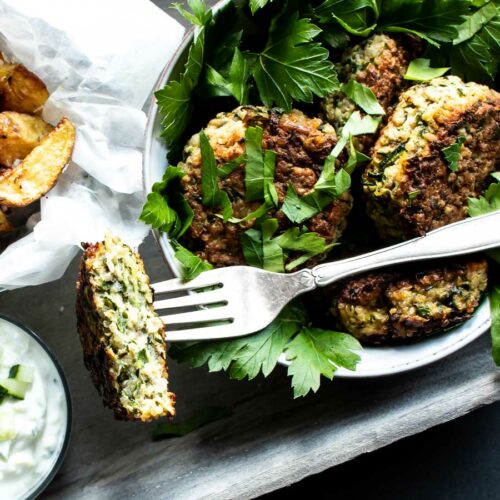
259,167
362,96
191,265
261,249
213,196
452,153
420,70
391,157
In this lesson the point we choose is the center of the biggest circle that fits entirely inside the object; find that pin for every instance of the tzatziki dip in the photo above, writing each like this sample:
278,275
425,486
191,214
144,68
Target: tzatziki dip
34,423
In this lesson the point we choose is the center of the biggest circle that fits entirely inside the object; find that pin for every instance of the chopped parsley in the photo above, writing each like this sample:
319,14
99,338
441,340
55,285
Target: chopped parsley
312,353
363,96
286,251
452,153
420,70
490,202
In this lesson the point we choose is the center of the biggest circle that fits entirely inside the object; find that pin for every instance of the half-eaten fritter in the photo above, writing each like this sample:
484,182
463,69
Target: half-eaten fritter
123,338
438,149
411,303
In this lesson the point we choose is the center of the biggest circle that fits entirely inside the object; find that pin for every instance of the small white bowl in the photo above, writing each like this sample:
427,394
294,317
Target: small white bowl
375,361
55,388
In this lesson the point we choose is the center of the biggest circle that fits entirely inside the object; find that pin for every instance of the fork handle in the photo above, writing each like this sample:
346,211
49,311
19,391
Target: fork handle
468,236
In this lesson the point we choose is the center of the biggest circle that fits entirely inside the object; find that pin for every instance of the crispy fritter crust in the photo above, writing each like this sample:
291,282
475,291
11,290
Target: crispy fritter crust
384,308
409,186
98,356
302,145
380,63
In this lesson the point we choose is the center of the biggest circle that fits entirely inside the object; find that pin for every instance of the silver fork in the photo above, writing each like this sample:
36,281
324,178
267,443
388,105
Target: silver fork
242,300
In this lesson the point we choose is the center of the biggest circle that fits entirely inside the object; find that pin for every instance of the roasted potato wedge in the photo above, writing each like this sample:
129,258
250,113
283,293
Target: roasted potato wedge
39,171
19,134
5,226
21,90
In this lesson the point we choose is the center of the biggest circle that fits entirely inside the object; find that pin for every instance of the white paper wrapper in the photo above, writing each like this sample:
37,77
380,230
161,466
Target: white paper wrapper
100,60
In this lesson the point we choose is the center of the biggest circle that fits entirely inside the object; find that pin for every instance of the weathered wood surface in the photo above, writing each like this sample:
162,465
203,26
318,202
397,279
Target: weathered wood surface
269,442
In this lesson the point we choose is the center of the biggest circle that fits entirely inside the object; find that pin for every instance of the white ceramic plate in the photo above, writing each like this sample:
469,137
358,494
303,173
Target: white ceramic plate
375,361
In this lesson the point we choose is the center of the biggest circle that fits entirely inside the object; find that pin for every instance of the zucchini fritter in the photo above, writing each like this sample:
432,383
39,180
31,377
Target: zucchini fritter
390,307
301,145
409,185
122,336
380,63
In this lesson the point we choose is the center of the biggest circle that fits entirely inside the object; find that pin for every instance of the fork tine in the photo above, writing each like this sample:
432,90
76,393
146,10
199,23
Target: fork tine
210,278
194,299
220,332
215,314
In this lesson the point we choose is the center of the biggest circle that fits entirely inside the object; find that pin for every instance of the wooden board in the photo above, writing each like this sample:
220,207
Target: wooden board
269,442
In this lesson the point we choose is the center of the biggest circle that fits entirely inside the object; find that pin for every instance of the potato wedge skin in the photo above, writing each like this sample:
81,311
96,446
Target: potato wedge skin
39,171
19,134
21,90
5,226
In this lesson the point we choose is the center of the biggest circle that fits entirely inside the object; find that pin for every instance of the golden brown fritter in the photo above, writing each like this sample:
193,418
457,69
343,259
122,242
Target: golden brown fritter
301,144
380,63
410,186
123,339
390,307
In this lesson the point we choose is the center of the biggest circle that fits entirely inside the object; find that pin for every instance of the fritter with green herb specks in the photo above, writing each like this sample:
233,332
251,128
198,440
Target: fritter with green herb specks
380,63
301,145
384,308
412,186
123,338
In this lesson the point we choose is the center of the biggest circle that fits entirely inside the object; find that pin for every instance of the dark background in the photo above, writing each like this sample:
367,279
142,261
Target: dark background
460,459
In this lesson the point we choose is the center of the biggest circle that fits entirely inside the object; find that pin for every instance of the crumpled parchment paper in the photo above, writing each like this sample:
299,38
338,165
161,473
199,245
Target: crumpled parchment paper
100,60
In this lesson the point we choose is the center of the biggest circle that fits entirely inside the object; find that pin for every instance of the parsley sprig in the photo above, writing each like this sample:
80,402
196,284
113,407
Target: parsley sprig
490,202
311,353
